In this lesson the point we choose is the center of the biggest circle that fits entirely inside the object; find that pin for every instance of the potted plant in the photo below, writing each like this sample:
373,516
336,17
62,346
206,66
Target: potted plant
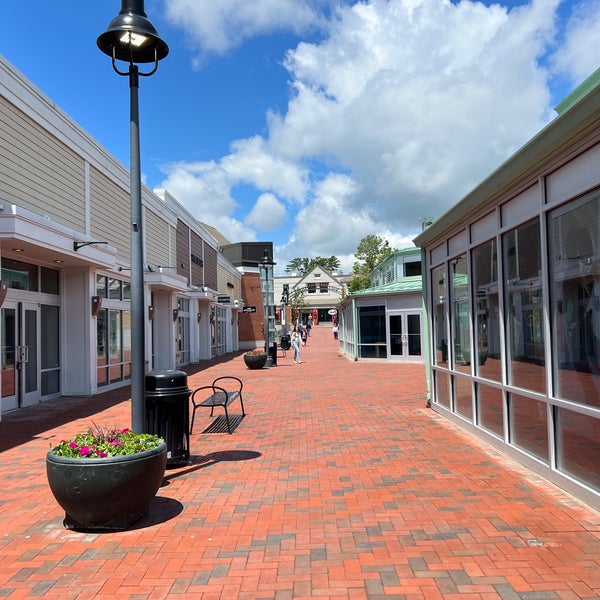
255,359
105,479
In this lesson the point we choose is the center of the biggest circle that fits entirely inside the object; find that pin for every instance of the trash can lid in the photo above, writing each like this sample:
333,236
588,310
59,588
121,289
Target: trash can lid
165,380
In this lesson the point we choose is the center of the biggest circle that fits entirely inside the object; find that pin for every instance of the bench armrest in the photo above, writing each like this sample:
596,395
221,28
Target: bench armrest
215,389
225,379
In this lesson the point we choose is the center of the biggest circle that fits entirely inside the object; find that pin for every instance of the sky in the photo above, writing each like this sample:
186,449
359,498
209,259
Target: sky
314,123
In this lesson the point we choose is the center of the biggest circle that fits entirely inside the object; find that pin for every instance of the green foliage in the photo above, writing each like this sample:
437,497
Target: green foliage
302,266
371,250
359,282
102,443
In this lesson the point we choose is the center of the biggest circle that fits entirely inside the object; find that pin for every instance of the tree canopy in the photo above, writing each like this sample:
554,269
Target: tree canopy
371,250
302,266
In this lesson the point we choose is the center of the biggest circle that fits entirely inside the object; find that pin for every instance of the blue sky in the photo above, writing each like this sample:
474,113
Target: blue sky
313,123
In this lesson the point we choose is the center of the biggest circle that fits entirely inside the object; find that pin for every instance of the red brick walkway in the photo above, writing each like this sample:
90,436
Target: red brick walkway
338,484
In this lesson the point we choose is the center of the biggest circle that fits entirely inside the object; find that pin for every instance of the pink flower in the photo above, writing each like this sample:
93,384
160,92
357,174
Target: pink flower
84,451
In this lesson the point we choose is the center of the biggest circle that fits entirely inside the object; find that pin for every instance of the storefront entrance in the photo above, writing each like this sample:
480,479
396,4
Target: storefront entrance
20,355
405,336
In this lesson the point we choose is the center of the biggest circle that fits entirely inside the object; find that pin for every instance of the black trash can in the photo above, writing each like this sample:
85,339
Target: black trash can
273,354
285,342
168,412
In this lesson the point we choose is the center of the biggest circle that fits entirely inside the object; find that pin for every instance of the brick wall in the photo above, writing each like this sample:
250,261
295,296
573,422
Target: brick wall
251,331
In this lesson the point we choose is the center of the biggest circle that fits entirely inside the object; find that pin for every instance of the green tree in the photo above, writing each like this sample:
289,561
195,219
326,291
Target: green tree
302,266
298,265
371,250
330,264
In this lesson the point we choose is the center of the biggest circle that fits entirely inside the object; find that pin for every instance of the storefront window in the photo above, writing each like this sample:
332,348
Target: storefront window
463,396
460,314
113,332
487,322
490,415
372,332
578,446
20,275
439,296
528,425
575,274
524,309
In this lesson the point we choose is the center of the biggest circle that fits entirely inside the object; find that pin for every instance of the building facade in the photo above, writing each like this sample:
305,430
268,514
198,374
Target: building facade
313,296
64,262
513,302
385,321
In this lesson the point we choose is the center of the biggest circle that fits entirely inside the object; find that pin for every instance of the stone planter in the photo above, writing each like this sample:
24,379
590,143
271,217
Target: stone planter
106,494
255,361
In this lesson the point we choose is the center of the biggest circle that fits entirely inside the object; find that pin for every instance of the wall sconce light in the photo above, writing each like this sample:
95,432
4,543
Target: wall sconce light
96,305
175,314
199,317
150,312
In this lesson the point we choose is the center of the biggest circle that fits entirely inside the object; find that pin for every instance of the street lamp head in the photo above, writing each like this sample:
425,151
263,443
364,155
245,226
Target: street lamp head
266,260
131,37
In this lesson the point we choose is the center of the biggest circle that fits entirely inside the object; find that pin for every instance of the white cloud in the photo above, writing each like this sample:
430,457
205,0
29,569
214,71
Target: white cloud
420,100
403,107
222,25
251,162
576,57
267,214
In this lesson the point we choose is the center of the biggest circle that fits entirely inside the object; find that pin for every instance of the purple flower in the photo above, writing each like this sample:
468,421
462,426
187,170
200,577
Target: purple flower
84,451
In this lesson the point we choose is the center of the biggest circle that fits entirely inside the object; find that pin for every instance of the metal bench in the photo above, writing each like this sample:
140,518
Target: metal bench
219,396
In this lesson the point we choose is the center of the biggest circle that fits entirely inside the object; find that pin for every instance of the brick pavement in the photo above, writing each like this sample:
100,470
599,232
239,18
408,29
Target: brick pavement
338,484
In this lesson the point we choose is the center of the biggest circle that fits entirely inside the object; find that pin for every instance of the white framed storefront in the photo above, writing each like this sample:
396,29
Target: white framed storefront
513,309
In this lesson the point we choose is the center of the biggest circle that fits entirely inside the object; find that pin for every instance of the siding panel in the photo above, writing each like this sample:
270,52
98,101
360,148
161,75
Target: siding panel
110,213
39,172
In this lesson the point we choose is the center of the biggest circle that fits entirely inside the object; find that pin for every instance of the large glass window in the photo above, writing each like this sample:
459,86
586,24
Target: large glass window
574,233
113,331
490,415
20,275
442,388
528,425
439,295
463,396
50,349
183,331
460,314
487,323
578,446
524,310
372,332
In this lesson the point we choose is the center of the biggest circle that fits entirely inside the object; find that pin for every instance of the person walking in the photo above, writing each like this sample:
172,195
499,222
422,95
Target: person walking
335,330
296,345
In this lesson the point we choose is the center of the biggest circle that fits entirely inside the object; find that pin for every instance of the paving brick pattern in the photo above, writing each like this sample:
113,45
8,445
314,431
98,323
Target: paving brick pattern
339,483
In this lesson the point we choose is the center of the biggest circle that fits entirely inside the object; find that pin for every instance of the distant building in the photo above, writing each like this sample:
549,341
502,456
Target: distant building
314,295
385,321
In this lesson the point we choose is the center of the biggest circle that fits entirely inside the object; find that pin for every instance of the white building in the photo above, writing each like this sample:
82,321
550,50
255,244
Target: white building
64,262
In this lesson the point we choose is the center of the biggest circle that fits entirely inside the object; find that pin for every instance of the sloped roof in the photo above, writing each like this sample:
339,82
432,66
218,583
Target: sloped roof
402,285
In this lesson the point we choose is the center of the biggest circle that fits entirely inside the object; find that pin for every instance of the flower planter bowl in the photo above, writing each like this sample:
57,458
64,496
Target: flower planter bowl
255,361
106,494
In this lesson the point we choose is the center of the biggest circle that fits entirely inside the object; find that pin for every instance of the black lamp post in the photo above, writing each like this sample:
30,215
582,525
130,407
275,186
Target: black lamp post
266,265
132,38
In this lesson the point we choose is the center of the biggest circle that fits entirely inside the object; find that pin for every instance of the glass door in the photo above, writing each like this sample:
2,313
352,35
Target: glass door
20,355
405,336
